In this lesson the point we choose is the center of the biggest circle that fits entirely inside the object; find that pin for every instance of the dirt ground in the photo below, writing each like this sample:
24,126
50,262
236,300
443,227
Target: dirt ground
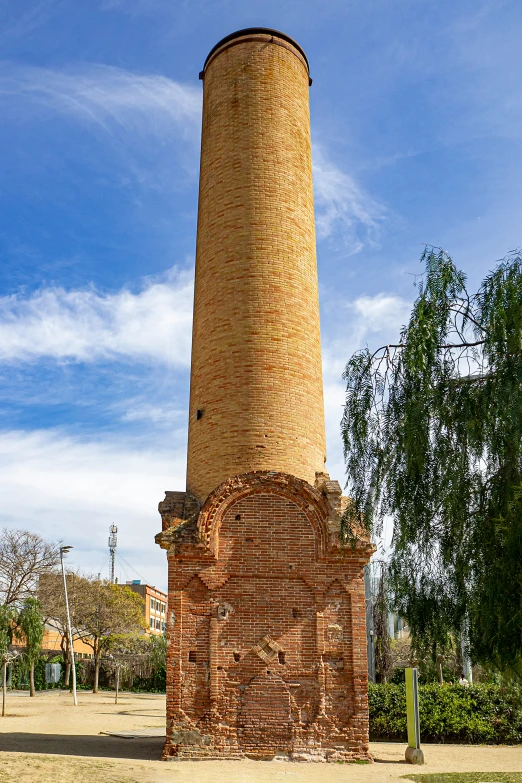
48,739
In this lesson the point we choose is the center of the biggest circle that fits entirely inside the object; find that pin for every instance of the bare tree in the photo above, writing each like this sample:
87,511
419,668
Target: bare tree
24,557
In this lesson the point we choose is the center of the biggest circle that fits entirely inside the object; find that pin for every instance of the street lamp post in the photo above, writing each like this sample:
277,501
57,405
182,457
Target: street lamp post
116,663
64,550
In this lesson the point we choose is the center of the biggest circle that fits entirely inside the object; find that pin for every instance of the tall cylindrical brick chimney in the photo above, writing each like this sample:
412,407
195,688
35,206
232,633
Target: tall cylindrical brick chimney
256,394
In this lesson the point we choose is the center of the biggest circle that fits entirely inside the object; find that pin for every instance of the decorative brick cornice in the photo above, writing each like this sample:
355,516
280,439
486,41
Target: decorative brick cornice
190,530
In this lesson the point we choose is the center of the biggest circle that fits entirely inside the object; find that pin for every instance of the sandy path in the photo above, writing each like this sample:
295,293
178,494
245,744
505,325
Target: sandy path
48,739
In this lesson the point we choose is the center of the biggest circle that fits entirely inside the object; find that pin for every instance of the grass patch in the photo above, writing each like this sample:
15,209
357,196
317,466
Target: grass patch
467,777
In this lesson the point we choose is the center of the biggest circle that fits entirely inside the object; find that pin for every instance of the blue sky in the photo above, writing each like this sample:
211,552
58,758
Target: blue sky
417,138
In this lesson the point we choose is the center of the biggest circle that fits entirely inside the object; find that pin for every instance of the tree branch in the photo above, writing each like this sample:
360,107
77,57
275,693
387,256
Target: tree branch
445,347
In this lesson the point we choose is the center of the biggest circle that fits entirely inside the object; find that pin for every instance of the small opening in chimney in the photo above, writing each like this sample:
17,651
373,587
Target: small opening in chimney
238,516
296,614
249,540
192,656
237,657
281,657
199,414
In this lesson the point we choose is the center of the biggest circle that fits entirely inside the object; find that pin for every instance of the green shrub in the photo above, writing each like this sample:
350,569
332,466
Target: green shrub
482,713
156,683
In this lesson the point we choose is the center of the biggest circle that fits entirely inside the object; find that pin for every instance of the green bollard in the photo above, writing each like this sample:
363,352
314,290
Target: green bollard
413,753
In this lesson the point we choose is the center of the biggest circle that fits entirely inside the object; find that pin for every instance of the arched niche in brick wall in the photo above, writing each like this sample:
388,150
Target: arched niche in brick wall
312,503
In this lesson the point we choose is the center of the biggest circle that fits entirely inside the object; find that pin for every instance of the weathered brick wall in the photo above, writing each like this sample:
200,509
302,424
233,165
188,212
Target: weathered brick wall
267,642
256,355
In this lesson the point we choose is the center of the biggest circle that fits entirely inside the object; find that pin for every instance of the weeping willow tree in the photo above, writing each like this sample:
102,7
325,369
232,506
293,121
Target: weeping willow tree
432,433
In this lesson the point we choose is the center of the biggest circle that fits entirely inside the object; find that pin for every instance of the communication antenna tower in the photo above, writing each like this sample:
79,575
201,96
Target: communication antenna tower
113,543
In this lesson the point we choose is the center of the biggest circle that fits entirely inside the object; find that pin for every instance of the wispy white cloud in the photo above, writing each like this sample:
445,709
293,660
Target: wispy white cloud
152,413
72,490
381,314
344,212
367,320
153,324
142,129
108,97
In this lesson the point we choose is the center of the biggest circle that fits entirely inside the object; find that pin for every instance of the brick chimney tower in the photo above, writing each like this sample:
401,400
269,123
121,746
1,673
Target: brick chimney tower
256,394
266,624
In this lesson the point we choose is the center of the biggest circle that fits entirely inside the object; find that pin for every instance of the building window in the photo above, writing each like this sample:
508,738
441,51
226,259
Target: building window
152,622
157,606
158,625
163,627
152,604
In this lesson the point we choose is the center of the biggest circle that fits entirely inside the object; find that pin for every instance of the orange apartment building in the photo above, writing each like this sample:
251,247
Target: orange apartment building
155,606
52,641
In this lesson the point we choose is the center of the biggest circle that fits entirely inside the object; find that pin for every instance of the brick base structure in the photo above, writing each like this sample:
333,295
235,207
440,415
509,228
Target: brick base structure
266,623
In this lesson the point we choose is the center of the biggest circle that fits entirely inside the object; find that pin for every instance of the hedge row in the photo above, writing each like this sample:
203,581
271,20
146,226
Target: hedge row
482,713
156,683
20,674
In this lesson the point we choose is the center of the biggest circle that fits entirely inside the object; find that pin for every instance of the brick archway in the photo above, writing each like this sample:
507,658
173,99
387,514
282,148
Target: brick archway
312,502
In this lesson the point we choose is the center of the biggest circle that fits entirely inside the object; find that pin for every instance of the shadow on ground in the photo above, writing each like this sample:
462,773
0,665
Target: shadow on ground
143,748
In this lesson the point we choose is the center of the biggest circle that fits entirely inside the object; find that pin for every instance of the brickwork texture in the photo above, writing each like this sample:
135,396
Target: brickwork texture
266,618
256,375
